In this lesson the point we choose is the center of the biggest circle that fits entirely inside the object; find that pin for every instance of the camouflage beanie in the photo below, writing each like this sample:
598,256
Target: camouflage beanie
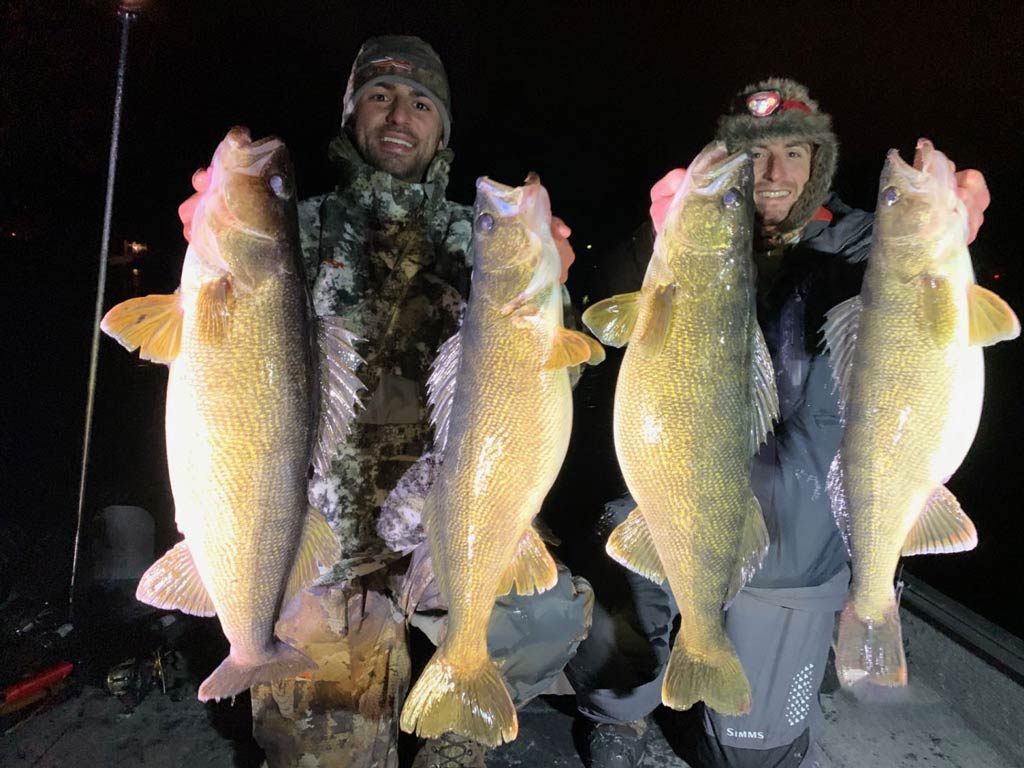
399,59
778,108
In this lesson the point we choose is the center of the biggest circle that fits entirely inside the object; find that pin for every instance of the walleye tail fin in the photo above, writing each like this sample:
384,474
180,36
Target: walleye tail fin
942,527
632,545
173,583
870,650
471,702
573,348
717,679
612,320
151,324
532,569
991,319
232,677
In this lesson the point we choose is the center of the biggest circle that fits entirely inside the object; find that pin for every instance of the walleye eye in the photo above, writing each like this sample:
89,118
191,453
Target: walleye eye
732,198
277,184
485,222
890,195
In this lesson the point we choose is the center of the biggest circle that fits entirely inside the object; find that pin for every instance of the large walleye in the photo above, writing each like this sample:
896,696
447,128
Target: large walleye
906,354
243,398
503,414
695,397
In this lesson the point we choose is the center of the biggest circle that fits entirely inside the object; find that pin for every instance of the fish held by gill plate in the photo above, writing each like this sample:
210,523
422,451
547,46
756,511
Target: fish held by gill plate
502,407
258,389
906,356
695,398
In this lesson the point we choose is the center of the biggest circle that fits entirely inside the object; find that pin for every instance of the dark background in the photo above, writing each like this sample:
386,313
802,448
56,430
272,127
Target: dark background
600,99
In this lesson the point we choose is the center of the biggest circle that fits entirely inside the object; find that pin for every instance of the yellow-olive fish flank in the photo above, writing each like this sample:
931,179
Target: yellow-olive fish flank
906,354
243,394
503,413
695,397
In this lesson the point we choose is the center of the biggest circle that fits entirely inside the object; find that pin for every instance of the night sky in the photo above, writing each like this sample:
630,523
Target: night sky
600,99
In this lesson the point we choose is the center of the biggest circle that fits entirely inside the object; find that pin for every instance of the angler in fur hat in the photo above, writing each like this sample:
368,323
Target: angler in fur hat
810,251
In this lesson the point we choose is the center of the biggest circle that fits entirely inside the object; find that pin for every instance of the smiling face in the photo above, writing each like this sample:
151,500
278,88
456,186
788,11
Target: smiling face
397,129
781,171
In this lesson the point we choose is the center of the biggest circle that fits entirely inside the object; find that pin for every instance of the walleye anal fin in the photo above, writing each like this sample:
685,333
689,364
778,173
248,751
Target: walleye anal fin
318,546
472,702
612,320
655,331
991,319
173,583
765,393
842,323
214,304
532,568
938,311
573,348
871,651
941,528
339,389
753,546
837,496
150,324
232,676
632,545
715,678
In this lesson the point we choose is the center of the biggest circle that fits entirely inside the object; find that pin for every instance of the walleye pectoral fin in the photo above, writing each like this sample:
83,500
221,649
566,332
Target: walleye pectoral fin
151,324
941,528
441,388
632,545
938,312
339,390
573,348
766,395
173,583
318,546
214,305
612,320
532,569
991,319
655,331
842,324
753,546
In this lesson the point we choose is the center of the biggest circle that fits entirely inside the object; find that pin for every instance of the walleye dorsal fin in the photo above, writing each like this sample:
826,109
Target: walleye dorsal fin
339,389
441,388
173,583
571,348
654,332
318,546
991,319
842,324
837,496
753,547
150,324
632,545
765,393
215,303
942,527
612,320
532,568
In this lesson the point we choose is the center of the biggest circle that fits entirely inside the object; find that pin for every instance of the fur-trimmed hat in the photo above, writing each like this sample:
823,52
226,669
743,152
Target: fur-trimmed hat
778,108
402,59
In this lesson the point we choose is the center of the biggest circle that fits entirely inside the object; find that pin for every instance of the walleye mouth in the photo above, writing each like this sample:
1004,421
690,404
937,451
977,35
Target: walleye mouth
715,168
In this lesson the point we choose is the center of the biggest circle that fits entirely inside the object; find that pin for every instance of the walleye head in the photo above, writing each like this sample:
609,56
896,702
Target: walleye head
247,218
514,253
710,222
919,202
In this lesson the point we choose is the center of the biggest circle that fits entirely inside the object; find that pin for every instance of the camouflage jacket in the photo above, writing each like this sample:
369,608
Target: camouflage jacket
391,259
